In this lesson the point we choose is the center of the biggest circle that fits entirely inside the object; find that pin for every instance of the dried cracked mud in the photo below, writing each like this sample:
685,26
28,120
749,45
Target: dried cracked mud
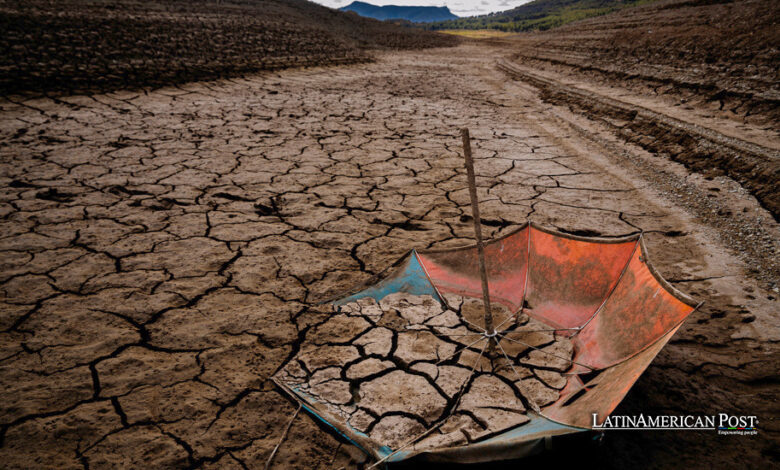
161,251
396,368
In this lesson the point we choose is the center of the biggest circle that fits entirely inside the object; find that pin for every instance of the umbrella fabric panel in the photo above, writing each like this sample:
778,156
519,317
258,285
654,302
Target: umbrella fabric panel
602,393
408,276
523,441
457,271
569,278
639,311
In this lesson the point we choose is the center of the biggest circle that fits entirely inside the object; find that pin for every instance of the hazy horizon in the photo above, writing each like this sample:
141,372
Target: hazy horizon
458,7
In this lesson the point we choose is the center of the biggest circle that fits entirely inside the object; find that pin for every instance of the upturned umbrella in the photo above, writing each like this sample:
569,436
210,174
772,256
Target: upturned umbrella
487,351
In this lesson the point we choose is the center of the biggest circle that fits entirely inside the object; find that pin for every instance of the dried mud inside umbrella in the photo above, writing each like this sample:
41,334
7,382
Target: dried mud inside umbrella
394,369
401,368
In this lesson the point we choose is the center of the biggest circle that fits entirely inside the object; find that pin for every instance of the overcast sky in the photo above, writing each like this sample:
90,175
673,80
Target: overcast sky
459,7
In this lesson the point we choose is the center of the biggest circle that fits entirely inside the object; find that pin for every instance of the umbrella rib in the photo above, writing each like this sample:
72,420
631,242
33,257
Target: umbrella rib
459,350
284,435
516,314
443,420
540,330
432,331
472,324
510,317
511,365
453,335
534,406
408,443
548,353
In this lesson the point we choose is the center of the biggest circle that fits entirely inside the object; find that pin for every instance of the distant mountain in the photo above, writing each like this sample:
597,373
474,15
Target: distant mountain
393,12
540,15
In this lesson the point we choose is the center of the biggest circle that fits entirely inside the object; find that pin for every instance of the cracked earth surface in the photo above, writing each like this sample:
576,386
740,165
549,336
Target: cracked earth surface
396,368
160,250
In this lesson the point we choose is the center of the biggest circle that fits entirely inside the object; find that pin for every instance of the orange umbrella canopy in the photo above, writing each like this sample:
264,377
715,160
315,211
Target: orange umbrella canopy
599,295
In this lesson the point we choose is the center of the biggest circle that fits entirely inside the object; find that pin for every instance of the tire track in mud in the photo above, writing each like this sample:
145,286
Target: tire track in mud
698,148
739,362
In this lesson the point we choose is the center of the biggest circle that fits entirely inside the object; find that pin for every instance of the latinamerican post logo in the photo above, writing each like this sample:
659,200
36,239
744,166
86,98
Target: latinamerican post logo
723,423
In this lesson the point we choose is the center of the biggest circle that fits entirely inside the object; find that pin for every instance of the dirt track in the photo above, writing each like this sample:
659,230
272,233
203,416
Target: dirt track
158,248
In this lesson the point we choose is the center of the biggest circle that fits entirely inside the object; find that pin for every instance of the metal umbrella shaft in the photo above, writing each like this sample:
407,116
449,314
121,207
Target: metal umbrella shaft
477,228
